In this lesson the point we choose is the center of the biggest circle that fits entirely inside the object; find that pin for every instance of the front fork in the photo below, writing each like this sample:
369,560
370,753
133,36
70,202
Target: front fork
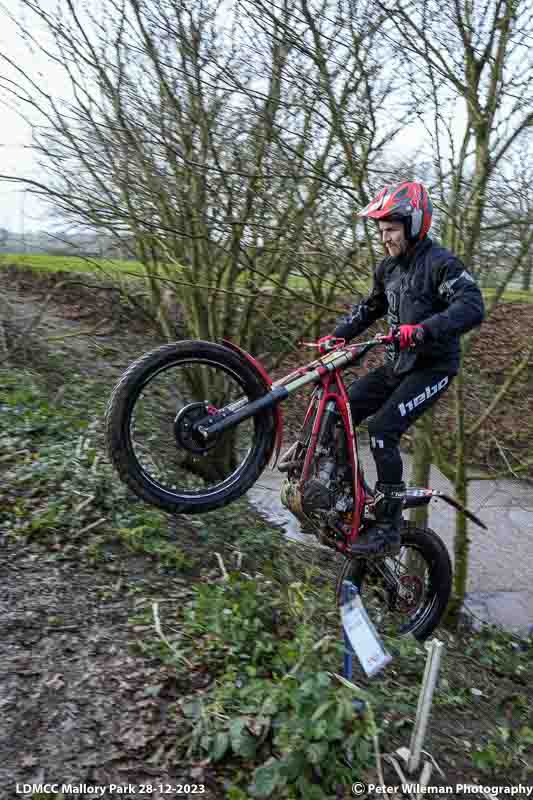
331,405
322,424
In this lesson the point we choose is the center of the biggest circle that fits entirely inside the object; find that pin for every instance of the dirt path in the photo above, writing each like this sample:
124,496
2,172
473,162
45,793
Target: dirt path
79,703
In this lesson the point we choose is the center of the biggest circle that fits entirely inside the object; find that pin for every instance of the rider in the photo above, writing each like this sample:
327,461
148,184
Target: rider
430,300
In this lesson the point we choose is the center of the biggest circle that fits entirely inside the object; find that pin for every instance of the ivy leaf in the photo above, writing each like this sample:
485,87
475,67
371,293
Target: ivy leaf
270,706
236,727
307,687
293,765
316,752
220,745
242,741
320,729
266,779
321,710
245,745
323,680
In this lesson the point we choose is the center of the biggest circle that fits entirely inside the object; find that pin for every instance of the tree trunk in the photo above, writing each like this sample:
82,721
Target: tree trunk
526,275
421,466
461,540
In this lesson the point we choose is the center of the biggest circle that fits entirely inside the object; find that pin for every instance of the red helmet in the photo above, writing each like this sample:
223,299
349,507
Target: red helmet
406,202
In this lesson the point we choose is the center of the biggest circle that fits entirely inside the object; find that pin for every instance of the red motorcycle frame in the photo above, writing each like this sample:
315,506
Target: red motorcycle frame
325,372
324,488
333,389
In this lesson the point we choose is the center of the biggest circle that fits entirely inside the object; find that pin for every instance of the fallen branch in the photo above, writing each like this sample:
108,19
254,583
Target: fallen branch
225,576
84,503
73,334
159,631
92,525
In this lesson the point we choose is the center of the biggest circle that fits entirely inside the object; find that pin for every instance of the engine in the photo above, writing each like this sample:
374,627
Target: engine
314,501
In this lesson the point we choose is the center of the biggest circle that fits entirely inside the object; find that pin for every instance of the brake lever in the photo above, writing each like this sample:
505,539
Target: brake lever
339,344
387,338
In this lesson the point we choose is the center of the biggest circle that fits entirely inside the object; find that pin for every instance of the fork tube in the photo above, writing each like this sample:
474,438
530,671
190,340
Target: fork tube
358,490
310,454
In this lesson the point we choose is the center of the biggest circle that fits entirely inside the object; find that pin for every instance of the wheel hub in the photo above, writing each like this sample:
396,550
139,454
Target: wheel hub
185,430
410,593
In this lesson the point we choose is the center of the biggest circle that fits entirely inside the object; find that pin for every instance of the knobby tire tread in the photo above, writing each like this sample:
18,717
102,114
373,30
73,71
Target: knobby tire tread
117,411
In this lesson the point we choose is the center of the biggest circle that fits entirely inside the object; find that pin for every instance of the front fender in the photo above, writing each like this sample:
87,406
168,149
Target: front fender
266,380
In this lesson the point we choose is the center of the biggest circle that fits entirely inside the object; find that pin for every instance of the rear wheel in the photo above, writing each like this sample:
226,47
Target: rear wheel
407,593
150,427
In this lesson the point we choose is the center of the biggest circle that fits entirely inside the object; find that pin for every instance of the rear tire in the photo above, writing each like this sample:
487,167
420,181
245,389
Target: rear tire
364,573
119,424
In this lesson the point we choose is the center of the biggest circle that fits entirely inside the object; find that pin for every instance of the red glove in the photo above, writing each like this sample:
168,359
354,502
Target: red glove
411,336
326,343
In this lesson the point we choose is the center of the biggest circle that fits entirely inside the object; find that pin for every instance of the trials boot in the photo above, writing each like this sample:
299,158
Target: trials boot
383,537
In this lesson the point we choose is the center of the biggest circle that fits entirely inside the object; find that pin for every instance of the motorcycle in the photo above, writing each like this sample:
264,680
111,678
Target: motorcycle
191,426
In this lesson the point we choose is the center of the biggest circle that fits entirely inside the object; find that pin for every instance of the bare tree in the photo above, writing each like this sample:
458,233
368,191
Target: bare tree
215,137
471,56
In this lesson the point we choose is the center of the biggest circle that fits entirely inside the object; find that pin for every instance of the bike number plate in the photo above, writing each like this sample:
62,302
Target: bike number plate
363,637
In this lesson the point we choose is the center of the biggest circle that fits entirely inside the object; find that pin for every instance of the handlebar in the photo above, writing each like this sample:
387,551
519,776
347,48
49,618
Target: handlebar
335,343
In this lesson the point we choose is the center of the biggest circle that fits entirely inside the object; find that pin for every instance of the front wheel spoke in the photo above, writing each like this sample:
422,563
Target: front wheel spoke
395,587
161,441
389,578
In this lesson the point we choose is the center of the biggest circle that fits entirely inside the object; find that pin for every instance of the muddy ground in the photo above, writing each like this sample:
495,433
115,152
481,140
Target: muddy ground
80,703
83,700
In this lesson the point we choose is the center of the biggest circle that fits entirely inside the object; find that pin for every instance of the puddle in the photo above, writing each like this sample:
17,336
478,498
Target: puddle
499,583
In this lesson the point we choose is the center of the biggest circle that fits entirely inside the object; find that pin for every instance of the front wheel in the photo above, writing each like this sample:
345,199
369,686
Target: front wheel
150,424
406,593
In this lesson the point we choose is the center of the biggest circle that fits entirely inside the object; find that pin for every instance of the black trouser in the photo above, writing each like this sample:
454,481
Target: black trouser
399,400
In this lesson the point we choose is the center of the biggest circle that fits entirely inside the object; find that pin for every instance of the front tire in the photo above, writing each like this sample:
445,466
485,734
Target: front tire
176,478
417,604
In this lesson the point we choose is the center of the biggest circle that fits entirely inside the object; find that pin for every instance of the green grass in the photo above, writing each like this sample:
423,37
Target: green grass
52,263
99,266
510,295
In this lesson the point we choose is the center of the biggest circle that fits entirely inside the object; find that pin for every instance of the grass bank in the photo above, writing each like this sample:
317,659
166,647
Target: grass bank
53,263
117,267
219,678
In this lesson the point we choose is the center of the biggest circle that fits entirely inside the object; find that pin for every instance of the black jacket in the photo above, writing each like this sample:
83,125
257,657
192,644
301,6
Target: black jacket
431,286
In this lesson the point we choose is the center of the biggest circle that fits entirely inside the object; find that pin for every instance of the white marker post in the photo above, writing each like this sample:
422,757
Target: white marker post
429,681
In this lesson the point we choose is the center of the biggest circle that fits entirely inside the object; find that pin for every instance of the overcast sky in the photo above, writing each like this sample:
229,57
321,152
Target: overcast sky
19,210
